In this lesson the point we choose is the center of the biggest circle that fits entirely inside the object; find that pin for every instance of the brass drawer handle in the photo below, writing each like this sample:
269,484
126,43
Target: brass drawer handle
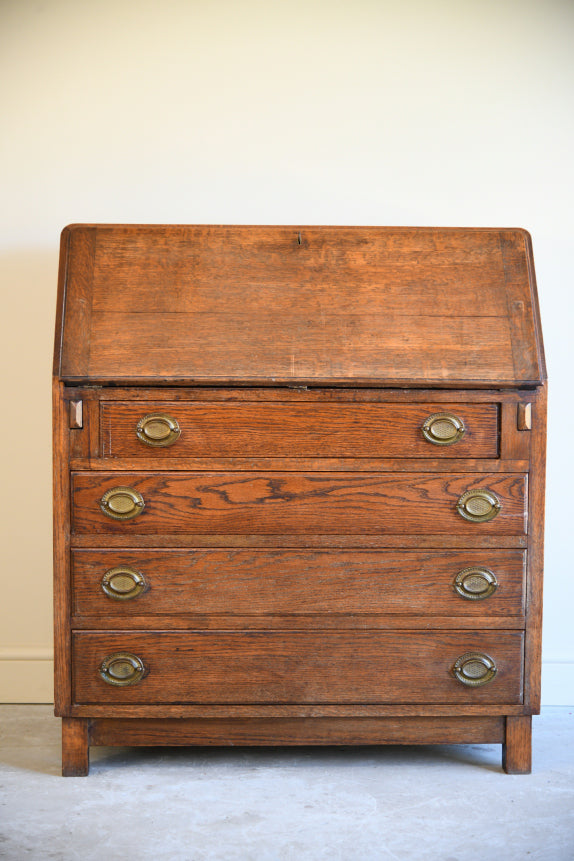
158,430
443,428
122,583
474,669
122,503
475,583
478,505
122,669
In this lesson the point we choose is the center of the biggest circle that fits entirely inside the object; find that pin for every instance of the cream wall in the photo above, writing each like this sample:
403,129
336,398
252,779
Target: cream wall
436,112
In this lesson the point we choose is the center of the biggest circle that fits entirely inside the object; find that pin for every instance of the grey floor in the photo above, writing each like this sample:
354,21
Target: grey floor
450,803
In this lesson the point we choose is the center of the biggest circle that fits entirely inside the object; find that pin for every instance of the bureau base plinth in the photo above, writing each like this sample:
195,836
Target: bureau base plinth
512,732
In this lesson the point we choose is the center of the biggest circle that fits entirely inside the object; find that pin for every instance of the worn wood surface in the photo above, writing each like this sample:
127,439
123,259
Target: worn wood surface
290,502
61,552
75,751
348,622
383,306
299,710
298,430
299,543
298,667
276,582
533,644
517,746
297,731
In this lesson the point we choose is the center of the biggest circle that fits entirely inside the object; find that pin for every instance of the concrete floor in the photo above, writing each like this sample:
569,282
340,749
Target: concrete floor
447,803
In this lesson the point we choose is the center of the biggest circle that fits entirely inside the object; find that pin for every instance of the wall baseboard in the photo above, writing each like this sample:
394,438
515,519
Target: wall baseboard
558,683
26,680
27,676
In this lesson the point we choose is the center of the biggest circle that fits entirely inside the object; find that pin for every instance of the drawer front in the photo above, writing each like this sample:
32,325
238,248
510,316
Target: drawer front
124,583
231,429
296,667
281,503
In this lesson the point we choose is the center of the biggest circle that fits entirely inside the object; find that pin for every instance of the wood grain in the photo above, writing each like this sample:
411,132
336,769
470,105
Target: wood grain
517,747
348,622
289,502
406,540
275,582
300,540
61,551
297,731
298,430
75,750
300,710
76,316
346,305
533,644
298,667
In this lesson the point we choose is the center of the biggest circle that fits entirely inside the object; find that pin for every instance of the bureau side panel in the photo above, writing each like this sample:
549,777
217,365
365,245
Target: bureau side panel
535,556
61,514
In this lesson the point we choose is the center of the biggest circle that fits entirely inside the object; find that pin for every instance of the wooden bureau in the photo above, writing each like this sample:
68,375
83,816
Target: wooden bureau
299,487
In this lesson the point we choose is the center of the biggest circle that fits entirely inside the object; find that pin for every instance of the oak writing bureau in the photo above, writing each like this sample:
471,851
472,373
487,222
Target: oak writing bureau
299,480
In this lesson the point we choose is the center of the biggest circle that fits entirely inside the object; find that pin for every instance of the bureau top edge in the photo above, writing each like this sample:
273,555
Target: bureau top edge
301,385
241,305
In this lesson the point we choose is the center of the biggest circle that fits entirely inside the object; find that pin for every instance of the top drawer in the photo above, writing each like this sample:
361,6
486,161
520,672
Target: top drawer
253,429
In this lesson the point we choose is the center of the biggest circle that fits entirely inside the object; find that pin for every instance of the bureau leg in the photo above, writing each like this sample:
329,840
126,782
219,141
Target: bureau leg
517,748
75,747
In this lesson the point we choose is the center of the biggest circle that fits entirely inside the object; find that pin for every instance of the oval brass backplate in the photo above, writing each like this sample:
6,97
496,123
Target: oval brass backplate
475,583
122,669
122,503
474,669
478,506
443,428
123,583
158,430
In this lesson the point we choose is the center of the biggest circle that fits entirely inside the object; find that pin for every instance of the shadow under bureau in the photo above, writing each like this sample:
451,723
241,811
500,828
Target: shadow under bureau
299,485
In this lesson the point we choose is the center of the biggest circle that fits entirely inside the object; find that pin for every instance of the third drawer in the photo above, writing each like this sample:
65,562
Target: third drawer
124,583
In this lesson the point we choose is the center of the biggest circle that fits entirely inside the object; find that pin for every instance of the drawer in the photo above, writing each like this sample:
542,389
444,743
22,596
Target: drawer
124,583
294,667
295,503
256,429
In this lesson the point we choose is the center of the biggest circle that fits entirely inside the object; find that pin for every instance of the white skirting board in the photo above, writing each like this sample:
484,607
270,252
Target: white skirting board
26,676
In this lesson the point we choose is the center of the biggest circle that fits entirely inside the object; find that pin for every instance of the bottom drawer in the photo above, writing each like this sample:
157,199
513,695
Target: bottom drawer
296,667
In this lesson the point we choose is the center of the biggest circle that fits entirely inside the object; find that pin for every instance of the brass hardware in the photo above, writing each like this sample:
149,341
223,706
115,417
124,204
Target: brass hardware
122,668
76,417
478,505
524,417
122,583
474,669
122,503
158,430
443,428
475,583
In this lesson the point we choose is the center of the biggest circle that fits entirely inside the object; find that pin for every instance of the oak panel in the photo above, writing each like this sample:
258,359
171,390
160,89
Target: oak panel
296,731
298,667
258,503
332,305
277,581
298,430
